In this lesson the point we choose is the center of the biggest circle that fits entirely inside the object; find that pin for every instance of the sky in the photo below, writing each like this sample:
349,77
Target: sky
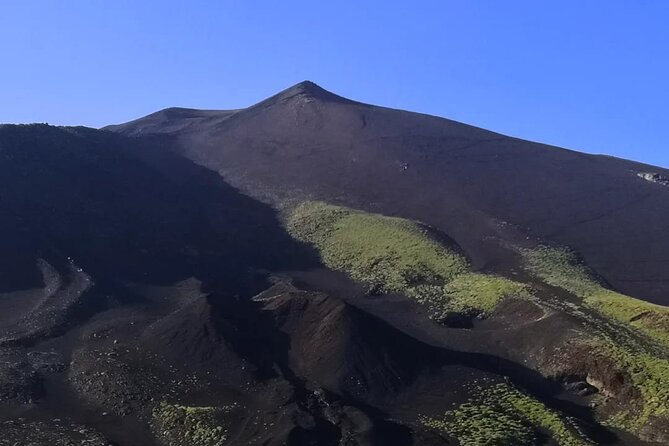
586,75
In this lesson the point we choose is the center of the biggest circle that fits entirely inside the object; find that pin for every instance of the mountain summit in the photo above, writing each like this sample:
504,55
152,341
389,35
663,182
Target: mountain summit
310,89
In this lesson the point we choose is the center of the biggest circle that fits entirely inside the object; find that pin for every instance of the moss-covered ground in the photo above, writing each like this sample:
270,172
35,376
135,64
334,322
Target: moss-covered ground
560,267
630,333
394,255
649,375
501,415
398,255
177,425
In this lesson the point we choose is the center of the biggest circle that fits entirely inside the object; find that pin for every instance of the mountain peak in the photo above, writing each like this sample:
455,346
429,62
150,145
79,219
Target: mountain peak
311,90
309,87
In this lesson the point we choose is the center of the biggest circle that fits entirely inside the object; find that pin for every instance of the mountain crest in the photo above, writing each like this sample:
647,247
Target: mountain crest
310,90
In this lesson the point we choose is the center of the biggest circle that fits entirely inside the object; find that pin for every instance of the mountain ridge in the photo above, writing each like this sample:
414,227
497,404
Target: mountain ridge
312,89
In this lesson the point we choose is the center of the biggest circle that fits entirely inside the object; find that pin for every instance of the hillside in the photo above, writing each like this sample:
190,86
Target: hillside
308,143
311,270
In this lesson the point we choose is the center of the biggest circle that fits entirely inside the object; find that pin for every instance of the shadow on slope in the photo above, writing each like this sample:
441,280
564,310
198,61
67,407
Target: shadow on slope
128,210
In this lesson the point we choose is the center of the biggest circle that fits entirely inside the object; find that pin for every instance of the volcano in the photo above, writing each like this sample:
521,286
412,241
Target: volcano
312,270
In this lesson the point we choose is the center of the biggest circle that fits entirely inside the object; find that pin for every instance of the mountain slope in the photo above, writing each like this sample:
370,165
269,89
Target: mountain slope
475,185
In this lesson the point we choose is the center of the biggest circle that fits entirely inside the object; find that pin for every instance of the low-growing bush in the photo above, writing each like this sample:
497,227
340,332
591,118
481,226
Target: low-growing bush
177,425
502,415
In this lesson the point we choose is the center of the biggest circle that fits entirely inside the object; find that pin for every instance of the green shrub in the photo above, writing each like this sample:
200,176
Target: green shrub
502,415
480,425
177,425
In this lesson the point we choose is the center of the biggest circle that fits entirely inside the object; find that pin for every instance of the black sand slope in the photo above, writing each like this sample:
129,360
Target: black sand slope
307,142
152,291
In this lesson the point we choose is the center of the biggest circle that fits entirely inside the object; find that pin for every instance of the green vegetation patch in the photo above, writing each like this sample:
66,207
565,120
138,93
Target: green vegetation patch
480,425
468,293
645,368
649,375
390,253
394,255
502,415
484,289
651,319
177,425
559,267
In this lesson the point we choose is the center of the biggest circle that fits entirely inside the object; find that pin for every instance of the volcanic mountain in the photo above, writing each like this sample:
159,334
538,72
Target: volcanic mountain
314,270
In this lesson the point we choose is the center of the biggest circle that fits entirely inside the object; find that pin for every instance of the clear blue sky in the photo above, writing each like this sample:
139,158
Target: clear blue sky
587,75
